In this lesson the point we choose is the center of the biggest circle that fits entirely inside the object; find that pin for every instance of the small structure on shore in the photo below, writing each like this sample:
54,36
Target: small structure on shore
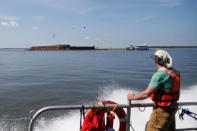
61,47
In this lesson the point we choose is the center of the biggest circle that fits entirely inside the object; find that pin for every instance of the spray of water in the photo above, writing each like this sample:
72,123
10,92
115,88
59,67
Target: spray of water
69,122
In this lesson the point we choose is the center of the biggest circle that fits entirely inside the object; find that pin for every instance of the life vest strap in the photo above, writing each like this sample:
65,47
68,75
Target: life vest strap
167,93
172,100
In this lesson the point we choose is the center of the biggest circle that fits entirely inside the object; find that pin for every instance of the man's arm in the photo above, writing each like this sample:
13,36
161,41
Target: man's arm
143,95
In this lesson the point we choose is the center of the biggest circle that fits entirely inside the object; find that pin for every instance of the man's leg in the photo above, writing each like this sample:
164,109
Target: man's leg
162,120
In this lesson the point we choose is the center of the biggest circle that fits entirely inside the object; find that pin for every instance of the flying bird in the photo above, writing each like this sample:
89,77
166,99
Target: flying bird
54,35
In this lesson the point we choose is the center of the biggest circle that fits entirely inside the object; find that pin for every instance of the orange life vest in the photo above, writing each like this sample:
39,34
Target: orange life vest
166,98
95,120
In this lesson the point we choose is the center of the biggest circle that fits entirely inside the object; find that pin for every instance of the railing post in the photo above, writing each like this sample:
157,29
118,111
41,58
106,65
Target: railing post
128,114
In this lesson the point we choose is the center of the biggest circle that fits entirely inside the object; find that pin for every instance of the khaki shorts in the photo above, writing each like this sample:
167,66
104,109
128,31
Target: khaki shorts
162,119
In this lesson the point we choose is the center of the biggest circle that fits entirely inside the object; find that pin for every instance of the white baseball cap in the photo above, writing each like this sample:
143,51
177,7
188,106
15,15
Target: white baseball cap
163,58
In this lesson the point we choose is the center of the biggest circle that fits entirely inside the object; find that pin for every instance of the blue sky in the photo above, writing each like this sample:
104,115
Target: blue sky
103,23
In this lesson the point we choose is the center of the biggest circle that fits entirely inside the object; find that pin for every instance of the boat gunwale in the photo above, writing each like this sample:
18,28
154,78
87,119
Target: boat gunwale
79,107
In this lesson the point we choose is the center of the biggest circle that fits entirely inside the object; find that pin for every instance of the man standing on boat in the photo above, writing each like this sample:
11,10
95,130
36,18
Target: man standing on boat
164,90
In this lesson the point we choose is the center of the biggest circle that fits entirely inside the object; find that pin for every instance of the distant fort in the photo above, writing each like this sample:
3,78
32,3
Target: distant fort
61,47
69,47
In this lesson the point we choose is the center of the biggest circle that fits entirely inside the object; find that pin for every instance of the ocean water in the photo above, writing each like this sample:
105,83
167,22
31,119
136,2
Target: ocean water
34,79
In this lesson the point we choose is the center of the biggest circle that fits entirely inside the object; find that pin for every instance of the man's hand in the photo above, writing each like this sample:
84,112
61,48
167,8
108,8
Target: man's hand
143,95
131,96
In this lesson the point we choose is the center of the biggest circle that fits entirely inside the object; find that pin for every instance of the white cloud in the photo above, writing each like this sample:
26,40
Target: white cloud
166,3
72,6
149,17
13,24
35,28
97,39
83,12
39,18
4,23
9,21
86,38
9,24
9,18
171,3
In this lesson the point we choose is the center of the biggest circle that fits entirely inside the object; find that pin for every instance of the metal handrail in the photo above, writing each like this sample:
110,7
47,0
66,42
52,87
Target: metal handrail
78,107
